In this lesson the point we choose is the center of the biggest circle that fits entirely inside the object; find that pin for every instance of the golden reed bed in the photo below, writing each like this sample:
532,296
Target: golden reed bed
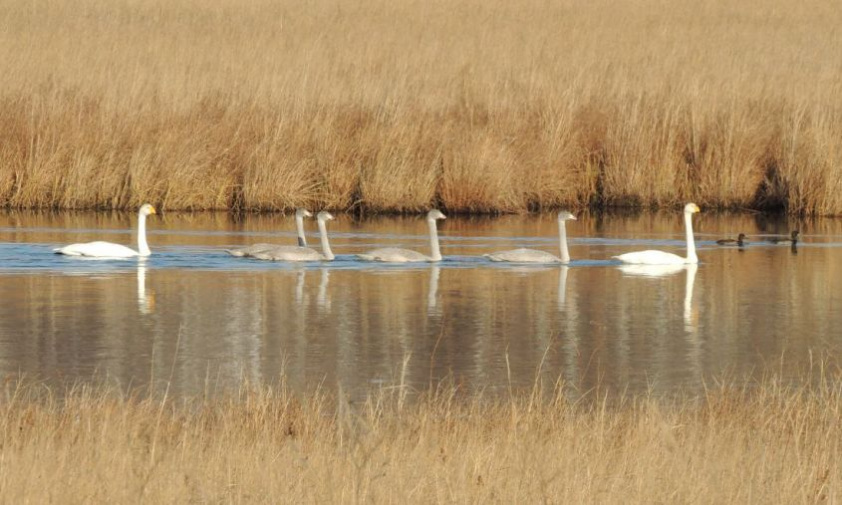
397,105
765,443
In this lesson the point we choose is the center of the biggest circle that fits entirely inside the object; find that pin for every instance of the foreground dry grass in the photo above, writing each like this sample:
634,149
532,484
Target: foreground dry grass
399,105
764,444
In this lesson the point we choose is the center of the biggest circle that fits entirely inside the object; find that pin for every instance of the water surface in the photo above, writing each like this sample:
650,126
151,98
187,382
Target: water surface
199,320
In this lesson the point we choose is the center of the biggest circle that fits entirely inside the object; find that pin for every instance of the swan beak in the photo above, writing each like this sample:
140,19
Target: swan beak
152,210
696,209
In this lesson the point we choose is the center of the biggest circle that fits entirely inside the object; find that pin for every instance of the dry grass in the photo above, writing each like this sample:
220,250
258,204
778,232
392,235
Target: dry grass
399,105
765,443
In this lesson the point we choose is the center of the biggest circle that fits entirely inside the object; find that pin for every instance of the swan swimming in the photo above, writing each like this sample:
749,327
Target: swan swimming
664,258
398,255
293,253
101,249
300,214
535,256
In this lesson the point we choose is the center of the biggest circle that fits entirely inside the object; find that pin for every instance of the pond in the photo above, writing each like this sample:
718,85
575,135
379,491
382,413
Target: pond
197,320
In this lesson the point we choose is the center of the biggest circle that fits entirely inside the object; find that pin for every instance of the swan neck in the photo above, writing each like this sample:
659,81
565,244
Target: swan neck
434,240
562,242
299,227
326,252
691,243
142,246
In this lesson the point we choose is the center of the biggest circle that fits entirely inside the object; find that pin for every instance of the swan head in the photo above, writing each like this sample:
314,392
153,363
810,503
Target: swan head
691,208
741,237
435,214
324,216
147,209
566,216
302,213
794,235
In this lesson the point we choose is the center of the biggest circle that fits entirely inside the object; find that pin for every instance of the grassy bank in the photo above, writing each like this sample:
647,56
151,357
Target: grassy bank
399,105
764,444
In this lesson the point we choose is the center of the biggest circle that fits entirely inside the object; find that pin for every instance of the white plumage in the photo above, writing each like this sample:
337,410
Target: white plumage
654,257
107,250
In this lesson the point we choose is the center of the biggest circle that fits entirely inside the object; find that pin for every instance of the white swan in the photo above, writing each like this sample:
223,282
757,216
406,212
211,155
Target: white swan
398,255
300,214
535,256
110,250
293,253
665,258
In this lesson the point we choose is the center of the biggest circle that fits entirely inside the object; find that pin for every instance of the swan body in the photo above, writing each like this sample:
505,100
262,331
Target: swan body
535,256
654,257
292,253
100,249
251,250
398,255
739,241
792,240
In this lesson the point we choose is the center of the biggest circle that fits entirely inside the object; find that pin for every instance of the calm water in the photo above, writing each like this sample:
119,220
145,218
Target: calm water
204,321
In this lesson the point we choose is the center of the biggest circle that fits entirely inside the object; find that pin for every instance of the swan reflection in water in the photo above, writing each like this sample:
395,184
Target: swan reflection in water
322,297
691,319
562,286
299,286
433,308
145,300
302,299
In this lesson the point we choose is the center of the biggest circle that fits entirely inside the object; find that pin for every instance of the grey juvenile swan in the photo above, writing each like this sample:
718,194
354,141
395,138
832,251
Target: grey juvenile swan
535,256
398,255
300,214
293,253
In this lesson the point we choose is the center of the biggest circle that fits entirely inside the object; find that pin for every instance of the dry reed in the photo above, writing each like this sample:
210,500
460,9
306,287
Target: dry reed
766,443
396,106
